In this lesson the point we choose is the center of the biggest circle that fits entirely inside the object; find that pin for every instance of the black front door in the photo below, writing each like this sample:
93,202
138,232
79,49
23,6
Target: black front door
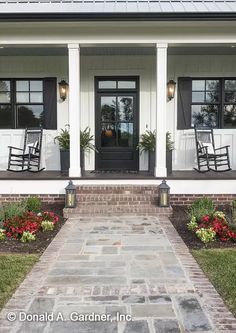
116,123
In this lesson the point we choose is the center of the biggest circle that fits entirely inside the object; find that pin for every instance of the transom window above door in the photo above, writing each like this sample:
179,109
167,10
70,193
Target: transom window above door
116,84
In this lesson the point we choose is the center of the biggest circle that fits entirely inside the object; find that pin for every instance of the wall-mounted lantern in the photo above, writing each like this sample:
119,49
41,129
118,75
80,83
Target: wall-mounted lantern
171,84
70,197
63,89
164,194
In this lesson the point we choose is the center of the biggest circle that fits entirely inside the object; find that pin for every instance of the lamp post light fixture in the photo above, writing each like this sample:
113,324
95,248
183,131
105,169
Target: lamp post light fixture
171,84
164,194
63,89
70,197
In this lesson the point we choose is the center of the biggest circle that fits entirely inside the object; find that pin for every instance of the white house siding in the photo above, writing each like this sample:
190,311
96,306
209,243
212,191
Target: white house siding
199,66
140,65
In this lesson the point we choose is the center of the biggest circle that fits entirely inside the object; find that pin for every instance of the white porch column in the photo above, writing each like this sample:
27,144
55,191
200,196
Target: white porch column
74,109
161,81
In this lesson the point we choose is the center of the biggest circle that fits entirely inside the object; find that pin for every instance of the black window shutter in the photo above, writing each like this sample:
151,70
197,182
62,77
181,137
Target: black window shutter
184,103
50,102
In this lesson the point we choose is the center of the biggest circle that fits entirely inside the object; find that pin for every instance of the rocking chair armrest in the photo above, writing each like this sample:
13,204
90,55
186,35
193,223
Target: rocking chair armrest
224,147
12,147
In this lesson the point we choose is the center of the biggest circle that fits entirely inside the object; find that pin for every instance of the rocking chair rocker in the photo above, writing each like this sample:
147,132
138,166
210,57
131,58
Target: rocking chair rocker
209,157
28,157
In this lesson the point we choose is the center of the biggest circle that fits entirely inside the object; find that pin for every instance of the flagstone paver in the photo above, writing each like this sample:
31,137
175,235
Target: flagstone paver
116,274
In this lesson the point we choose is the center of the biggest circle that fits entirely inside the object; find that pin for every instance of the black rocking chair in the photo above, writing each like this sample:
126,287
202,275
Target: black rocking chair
209,157
28,157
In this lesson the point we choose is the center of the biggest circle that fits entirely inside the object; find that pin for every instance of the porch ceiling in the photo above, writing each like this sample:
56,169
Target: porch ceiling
59,50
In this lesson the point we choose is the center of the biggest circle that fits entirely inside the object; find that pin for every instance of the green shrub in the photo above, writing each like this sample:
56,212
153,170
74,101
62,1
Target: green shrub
33,204
47,225
27,237
200,208
2,234
12,209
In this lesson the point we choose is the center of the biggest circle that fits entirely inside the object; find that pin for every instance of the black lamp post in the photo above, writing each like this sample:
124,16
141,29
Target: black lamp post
171,89
164,194
63,89
70,197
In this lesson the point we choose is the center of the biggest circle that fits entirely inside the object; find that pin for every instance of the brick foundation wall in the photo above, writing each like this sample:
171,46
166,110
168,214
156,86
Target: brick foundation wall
187,199
47,198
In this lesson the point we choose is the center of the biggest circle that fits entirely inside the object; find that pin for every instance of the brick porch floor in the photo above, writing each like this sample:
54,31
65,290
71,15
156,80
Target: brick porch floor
119,265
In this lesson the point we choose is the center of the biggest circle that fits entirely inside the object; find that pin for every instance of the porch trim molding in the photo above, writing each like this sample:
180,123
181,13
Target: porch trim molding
74,109
161,80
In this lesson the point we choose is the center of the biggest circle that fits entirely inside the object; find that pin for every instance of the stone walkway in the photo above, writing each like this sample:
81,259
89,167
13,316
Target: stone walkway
131,274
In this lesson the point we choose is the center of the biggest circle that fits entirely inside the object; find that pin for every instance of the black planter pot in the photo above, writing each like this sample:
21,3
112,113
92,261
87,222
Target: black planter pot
151,162
65,161
82,162
169,161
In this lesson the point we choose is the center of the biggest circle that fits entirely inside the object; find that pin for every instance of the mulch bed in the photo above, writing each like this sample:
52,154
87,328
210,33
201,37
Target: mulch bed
179,220
43,239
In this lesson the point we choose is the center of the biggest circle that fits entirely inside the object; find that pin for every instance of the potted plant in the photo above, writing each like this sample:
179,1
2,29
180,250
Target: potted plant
63,139
148,143
86,139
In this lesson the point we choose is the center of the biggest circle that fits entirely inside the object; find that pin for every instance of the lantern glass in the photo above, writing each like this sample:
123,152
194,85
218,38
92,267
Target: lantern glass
164,194
171,89
63,89
70,198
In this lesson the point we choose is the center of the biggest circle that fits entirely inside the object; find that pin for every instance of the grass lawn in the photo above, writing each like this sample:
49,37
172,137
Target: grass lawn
220,267
13,269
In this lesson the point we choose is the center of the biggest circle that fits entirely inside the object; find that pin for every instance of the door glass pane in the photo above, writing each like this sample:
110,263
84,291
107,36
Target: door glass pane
22,85
126,84
22,97
230,97
108,108
198,97
230,85
198,85
36,97
36,85
107,84
5,95
204,115
212,96
108,135
30,116
5,116
125,108
125,134
212,85
230,116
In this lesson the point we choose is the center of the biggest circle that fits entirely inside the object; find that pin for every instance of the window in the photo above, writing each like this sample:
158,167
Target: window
209,102
28,103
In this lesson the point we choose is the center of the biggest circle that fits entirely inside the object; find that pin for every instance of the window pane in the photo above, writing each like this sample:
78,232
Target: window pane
5,116
125,134
212,85
22,85
30,116
108,108
198,97
230,97
126,84
230,85
230,116
107,84
108,135
5,86
36,97
22,97
125,108
5,97
36,85
212,96
204,115
198,85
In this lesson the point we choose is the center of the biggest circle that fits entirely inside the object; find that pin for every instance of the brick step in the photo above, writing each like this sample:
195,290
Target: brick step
119,209
116,203
82,198
117,189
